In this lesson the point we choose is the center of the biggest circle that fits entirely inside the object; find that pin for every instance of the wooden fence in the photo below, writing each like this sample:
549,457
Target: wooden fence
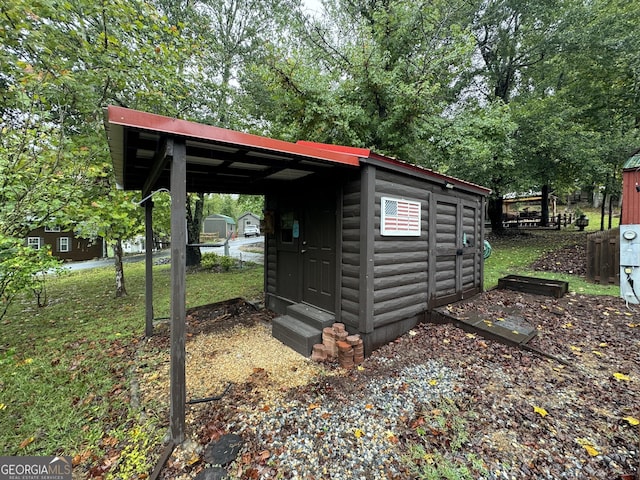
533,221
603,257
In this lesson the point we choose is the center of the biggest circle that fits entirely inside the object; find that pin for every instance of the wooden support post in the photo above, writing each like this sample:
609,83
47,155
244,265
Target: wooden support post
148,267
178,291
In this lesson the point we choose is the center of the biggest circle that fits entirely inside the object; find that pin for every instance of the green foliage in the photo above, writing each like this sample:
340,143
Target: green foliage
22,268
437,451
378,86
212,261
134,459
227,263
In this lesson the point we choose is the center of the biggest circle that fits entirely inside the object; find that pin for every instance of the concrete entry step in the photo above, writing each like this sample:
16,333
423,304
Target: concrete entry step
296,334
311,315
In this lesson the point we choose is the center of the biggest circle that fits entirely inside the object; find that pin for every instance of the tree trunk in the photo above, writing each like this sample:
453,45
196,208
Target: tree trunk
121,291
602,209
610,211
495,213
544,206
194,226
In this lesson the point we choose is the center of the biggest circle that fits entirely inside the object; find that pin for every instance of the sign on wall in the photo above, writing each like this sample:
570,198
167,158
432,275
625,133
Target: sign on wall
399,217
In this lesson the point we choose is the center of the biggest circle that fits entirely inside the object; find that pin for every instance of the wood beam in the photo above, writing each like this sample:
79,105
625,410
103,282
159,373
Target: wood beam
160,160
178,290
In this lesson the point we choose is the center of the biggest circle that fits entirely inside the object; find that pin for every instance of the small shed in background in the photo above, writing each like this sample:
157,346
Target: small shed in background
528,205
222,225
245,219
629,237
631,191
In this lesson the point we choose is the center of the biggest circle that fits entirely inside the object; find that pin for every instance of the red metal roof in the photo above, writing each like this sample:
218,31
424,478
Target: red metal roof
222,160
218,160
364,153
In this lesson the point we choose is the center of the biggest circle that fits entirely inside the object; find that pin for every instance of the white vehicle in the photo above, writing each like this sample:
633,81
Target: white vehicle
251,231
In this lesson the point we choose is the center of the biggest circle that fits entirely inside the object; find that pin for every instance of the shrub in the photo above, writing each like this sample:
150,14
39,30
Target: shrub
210,260
227,262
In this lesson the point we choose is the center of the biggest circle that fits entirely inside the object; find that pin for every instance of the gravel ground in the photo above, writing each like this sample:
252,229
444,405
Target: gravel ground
438,398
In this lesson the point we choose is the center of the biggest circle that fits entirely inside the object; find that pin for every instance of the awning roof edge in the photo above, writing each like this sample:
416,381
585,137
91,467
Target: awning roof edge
127,117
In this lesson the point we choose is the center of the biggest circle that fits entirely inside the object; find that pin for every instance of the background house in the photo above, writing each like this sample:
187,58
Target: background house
65,245
245,219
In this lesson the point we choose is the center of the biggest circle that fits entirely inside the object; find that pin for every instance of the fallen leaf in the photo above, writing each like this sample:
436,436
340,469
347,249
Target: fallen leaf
540,411
621,376
368,406
588,446
595,352
27,441
575,349
358,433
80,458
433,382
591,451
632,421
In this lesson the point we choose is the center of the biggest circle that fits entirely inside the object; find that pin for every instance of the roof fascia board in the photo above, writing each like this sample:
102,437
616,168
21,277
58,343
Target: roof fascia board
176,127
423,173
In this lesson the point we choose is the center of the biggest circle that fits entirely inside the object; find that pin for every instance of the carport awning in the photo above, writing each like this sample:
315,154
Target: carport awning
218,160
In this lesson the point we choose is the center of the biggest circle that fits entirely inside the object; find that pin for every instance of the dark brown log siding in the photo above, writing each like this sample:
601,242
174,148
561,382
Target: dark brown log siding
401,264
350,278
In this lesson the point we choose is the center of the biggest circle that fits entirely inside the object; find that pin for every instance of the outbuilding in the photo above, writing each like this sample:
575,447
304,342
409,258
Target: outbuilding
247,219
221,225
351,236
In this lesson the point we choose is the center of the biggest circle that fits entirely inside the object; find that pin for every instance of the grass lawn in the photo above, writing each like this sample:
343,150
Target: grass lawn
65,378
513,255
64,381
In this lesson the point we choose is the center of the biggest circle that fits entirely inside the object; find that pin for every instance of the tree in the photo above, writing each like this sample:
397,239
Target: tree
195,204
22,268
115,217
61,65
367,74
